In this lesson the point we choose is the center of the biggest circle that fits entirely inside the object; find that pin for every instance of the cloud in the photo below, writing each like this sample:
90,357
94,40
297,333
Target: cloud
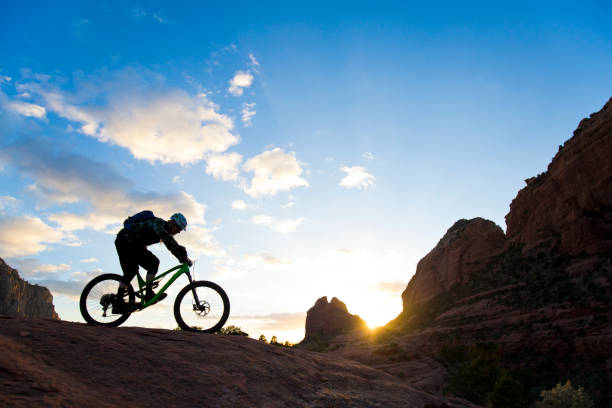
224,166
8,202
274,171
277,321
368,156
31,268
200,241
62,177
282,226
253,60
177,179
239,205
134,109
89,260
264,258
28,235
247,113
357,177
28,109
240,81
390,287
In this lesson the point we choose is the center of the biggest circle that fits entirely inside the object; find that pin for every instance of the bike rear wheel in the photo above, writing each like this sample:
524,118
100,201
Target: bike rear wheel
97,300
207,315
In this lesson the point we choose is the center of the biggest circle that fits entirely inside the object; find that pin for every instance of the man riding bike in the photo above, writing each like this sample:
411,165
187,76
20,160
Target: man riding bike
140,231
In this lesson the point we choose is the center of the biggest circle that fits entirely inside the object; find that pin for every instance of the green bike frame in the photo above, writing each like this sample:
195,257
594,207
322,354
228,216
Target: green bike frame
142,284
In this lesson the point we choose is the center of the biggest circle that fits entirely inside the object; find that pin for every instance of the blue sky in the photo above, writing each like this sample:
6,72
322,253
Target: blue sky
316,149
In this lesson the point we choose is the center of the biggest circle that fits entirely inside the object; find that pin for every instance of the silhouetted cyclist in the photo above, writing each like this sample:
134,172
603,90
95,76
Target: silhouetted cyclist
140,231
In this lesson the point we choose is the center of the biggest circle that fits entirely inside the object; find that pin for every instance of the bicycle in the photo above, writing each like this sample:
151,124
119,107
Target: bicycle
201,306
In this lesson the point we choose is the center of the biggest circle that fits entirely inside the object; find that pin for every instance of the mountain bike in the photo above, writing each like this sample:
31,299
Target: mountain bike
201,306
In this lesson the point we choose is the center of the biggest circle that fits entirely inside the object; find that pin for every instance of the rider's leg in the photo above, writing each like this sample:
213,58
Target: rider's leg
150,262
128,261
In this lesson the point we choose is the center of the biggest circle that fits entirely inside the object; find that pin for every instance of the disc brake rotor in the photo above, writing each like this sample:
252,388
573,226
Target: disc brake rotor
202,309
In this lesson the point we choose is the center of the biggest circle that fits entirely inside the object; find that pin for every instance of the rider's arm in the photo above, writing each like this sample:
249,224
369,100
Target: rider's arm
174,247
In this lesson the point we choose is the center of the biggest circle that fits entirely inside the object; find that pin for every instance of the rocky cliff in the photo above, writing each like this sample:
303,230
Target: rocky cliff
18,297
325,320
569,207
464,249
531,307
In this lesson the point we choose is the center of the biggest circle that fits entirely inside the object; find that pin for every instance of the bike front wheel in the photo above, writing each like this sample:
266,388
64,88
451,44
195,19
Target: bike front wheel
208,314
98,297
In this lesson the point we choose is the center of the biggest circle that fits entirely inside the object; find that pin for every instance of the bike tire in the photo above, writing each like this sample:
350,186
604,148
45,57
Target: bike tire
90,303
213,311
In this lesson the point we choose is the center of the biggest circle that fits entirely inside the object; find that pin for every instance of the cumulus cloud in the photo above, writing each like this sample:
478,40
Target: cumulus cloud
274,171
357,177
89,260
28,109
239,205
282,226
136,111
200,241
247,113
240,81
224,166
28,235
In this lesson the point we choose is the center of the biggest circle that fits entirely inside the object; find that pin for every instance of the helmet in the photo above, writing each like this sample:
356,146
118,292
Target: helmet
180,220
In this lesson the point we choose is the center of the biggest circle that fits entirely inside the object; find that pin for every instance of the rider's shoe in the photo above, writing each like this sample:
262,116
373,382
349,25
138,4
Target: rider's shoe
151,295
120,307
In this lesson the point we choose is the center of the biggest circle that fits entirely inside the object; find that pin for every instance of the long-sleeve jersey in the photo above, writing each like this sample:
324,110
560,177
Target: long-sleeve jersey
151,232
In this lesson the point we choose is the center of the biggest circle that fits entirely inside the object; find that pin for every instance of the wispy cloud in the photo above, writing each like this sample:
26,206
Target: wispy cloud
239,205
247,113
62,178
89,260
274,171
253,60
264,258
31,268
368,156
239,82
390,287
282,226
28,109
357,177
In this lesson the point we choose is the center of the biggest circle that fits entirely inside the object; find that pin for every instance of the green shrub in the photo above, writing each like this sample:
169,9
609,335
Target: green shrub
508,393
565,396
232,331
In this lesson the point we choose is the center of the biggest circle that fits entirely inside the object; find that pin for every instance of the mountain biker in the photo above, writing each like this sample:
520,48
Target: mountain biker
131,244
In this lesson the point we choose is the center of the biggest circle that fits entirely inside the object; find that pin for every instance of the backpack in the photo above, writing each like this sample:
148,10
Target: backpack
130,222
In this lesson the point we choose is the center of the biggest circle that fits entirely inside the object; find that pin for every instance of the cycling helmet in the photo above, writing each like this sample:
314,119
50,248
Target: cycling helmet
180,220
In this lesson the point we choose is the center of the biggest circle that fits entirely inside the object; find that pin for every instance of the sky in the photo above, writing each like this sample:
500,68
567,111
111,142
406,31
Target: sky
316,149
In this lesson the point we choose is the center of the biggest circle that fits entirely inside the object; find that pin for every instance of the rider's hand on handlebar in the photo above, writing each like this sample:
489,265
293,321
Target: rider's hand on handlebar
188,262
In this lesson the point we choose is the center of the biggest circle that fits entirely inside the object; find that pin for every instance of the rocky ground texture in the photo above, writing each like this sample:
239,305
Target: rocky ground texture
47,363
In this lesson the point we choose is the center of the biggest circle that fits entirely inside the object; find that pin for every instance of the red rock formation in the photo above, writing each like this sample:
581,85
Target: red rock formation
326,319
465,248
570,205
19,298
46,363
